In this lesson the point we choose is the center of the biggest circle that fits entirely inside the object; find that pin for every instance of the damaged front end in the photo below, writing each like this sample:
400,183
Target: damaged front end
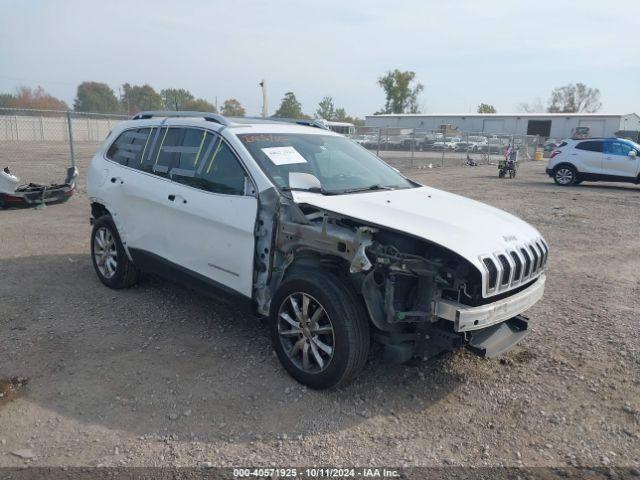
413,290
403,293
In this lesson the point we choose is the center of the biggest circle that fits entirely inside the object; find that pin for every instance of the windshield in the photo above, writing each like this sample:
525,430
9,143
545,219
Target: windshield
341,165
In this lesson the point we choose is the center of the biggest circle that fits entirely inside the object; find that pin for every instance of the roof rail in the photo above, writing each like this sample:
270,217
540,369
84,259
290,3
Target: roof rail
208,116
303,121
308,122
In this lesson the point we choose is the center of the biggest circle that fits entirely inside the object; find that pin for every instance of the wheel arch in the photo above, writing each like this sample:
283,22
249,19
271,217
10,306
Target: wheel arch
98,209
334,264
566,164
308,258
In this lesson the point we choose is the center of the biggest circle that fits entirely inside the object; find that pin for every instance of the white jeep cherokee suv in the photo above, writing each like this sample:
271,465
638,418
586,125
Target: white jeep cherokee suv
336,247
594,159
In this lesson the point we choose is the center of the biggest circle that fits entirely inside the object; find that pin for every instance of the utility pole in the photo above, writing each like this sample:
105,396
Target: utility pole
125,97
265,108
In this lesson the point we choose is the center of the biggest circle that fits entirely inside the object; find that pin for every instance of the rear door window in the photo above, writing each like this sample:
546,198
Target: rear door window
130,147
591,145
192,150
166,154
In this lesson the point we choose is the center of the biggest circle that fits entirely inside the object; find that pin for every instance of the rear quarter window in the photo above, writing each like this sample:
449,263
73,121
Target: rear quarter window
129,147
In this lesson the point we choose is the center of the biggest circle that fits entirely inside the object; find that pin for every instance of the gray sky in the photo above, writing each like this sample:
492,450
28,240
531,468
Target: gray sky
464,52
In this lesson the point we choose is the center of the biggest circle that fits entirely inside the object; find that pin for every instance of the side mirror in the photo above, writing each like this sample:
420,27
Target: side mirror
633,153
304,181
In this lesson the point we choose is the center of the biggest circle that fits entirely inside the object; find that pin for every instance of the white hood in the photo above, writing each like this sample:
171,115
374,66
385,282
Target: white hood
467,227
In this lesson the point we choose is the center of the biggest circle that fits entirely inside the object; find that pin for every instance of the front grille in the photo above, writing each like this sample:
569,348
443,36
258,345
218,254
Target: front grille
521,264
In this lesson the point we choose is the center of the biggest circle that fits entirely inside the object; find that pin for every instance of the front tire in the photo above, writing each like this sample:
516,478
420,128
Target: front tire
319,329
110,261
565,175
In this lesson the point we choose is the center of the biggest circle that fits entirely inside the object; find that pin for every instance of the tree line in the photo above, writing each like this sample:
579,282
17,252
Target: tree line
401,89
97,97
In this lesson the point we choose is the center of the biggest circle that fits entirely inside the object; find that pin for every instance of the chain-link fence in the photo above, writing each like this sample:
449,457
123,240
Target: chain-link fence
39,145
417,148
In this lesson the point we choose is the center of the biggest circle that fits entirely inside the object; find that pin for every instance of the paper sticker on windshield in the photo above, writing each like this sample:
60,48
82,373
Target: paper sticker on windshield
283,155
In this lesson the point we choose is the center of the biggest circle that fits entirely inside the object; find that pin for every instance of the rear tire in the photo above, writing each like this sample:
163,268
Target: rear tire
565,175
316,315
110,261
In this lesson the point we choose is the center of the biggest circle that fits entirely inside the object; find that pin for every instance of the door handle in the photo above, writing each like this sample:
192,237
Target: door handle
172,197
117,179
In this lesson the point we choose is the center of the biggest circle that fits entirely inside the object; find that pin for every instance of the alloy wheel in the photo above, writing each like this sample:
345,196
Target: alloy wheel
105,252
306,332
564,176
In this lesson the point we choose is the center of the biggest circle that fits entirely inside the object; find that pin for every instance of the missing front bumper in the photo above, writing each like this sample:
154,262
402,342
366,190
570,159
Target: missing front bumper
488,342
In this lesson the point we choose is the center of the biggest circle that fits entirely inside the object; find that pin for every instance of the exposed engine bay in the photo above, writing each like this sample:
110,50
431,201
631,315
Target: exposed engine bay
400,278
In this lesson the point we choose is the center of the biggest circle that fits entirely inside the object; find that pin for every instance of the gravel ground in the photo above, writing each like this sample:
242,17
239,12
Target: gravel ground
161,376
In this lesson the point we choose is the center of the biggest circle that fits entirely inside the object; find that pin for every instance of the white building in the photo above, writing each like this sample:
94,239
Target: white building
555,125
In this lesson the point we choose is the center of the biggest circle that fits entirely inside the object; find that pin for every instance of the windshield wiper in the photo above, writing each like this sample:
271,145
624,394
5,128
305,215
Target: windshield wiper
312,190
366,189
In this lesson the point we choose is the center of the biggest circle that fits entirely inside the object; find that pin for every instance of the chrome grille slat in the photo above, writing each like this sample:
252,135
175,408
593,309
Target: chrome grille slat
527,256
518,266
534,261
505,277
541,251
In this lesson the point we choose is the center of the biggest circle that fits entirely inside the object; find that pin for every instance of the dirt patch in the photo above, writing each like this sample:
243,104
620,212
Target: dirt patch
10,388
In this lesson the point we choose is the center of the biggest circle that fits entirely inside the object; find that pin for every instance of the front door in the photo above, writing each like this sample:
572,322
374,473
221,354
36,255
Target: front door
617,161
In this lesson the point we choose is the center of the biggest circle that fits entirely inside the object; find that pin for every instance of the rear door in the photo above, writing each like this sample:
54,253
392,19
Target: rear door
134,193
209,219
617,160
587,156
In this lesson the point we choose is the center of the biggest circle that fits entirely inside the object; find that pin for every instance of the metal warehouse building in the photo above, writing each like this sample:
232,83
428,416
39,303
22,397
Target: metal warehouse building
556,125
